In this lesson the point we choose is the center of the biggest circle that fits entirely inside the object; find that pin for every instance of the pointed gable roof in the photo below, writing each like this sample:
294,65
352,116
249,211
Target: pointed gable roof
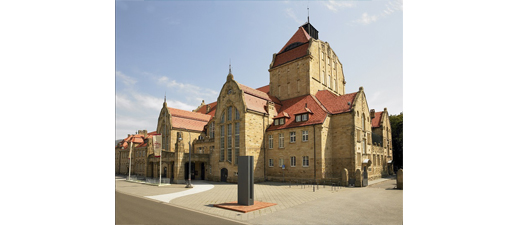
336,104
210,107
376,121
295,48
300,36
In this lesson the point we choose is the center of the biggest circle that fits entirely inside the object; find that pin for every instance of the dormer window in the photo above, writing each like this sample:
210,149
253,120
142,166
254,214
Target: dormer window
280,121
302,117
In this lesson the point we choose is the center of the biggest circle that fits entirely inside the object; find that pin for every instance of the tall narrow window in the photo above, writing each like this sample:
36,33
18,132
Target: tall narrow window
237,115
280,162
222,118
230,113
305,161
280,140
293,161
364,146
221,153
229,144
305,135
237,141
362,121
328,80
271,163
212,130
270,141
293,137
322,77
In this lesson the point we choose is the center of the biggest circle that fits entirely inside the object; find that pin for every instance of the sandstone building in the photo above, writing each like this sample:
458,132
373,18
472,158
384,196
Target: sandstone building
301,126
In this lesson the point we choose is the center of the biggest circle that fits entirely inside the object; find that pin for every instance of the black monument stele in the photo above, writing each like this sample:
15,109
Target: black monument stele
245,183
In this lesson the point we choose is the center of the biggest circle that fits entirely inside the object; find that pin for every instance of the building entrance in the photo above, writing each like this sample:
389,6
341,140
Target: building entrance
224,174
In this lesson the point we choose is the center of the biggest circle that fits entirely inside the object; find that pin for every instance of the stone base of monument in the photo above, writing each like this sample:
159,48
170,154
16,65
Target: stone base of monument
244,208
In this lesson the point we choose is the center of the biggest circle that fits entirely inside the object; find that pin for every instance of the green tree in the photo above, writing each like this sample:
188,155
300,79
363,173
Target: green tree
396,122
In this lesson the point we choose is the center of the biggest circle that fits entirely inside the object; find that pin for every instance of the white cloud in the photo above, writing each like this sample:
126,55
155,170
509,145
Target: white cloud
334,6
366,19
390,8
127,80
292,15
191,91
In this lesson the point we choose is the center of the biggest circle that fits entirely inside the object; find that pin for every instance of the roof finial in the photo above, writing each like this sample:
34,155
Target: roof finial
165,97
230,66
307,12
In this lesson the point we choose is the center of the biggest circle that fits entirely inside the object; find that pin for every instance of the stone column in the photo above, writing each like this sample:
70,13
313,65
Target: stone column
344,177
399,179
179,169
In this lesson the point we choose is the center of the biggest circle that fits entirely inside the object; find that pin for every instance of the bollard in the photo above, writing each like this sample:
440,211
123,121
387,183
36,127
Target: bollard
313,189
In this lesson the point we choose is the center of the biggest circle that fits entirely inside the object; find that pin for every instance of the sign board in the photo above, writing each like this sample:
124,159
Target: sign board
283,167
157,145
130,149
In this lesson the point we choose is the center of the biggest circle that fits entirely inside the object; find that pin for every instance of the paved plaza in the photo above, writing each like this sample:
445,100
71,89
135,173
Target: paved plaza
379,203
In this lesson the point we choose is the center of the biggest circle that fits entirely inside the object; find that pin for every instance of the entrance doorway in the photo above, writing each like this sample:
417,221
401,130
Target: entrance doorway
192,169
202,171
365,177
224,174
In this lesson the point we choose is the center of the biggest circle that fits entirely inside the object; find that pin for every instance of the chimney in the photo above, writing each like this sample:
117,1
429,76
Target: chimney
372,113
207,109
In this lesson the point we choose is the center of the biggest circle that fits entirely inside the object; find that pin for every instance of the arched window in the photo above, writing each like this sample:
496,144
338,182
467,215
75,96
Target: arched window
222,118
237,116
362,119
230,113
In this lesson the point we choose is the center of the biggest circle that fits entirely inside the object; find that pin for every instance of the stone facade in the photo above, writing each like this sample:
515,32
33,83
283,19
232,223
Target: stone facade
300,127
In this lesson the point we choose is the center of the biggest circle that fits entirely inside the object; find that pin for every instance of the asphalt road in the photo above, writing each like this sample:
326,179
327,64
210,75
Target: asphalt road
134,210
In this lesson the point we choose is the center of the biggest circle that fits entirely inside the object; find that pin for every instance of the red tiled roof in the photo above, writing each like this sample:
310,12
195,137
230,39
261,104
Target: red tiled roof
255,103
188,120
299,36
255,92
376,121
297,105
264,89
291,55
211,112
336,104
282,115
135,138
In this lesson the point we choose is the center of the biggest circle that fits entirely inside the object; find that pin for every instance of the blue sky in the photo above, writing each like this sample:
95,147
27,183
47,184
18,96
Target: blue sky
183,48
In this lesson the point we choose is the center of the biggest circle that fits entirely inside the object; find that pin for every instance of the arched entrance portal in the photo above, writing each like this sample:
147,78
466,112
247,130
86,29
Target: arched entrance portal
224,174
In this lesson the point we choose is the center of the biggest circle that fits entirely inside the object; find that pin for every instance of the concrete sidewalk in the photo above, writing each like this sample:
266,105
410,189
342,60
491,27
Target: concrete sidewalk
295,204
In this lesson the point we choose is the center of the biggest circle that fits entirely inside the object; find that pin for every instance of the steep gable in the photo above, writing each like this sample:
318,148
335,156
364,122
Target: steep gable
336,104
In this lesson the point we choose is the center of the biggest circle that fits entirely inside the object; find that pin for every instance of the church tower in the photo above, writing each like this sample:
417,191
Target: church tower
304,66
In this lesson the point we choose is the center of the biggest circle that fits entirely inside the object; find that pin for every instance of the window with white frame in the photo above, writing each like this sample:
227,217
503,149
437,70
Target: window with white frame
212,130
293,161
298,118
305,135
281,140
270,141
280,162
305,117
292,137
305,161
270,162
276,122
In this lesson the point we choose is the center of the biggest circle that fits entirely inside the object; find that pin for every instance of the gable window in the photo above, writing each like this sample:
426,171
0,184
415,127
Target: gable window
298,118
305,117
237,141
280,121
305,161
230,113
293,161
305,135
280,140
229,144
222,144
276,122
270,141
293,137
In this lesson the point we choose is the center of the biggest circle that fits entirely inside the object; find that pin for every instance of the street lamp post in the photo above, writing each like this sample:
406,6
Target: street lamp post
189,183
